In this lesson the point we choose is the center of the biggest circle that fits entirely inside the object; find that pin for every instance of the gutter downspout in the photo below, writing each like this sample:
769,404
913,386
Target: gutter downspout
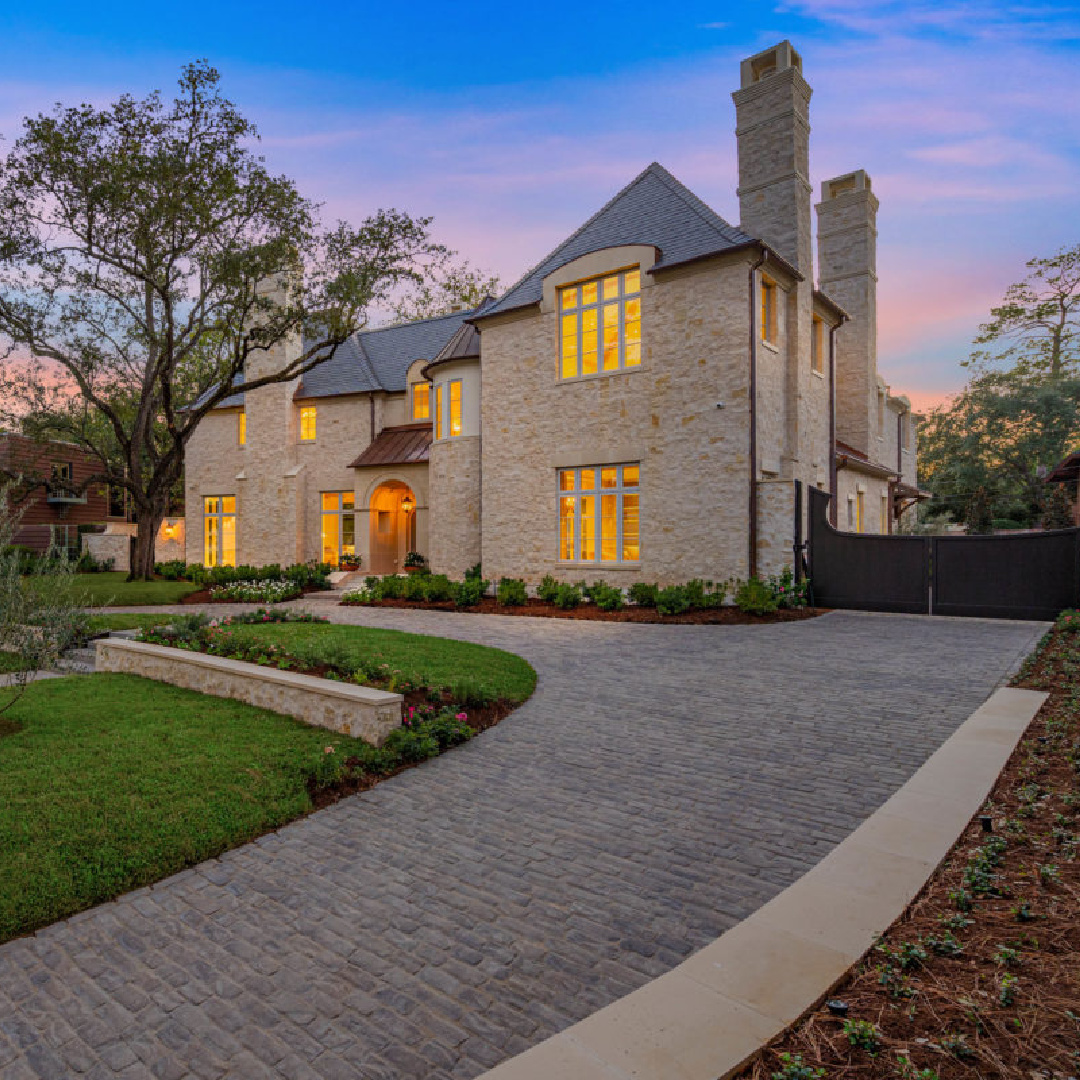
753,502
832,421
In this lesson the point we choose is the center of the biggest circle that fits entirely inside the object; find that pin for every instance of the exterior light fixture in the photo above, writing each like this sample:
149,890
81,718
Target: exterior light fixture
987,822
407,504
837,1007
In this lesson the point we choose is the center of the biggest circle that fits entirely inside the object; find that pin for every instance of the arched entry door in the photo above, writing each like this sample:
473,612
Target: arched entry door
393,526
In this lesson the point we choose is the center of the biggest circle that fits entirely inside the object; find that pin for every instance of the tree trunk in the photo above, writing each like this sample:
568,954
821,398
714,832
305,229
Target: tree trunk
142,556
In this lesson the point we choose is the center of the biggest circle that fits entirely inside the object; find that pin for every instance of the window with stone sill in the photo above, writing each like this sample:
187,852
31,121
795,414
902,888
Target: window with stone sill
219,530
817,345
241,428
421,401
307,423
600,325
599,514
770,320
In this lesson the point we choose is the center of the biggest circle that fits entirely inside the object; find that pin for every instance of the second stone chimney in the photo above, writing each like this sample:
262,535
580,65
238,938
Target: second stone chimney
772,114
847,257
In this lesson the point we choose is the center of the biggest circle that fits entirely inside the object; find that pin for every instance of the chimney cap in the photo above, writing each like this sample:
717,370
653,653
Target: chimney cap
768,62
859,180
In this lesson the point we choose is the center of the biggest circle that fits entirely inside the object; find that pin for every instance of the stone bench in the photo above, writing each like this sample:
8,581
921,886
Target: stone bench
353,710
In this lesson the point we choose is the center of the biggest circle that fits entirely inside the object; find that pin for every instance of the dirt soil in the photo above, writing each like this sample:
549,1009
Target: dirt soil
538,609
1001,998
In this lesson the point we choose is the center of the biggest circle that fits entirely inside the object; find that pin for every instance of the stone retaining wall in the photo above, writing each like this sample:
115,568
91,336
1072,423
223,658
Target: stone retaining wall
351,710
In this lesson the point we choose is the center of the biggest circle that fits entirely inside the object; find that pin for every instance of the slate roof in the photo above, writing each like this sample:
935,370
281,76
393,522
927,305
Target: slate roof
464,345
405,444
655,209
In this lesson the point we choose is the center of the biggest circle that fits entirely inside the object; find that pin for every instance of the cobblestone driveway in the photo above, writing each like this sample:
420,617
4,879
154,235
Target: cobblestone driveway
661,784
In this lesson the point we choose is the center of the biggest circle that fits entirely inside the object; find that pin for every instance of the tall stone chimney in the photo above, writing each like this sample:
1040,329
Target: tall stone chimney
772,114
847,257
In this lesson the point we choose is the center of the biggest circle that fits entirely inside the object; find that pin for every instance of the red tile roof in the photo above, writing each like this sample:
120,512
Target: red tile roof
406,444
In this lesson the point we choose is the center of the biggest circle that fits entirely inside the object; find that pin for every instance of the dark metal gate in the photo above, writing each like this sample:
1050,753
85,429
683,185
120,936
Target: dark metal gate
1034,576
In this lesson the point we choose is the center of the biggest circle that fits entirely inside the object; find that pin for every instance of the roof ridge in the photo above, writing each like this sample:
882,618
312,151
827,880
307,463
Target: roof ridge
696,203
577,232
461,313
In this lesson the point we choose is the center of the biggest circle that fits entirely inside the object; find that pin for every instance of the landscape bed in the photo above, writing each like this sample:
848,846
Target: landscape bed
489,605
981,976
110,782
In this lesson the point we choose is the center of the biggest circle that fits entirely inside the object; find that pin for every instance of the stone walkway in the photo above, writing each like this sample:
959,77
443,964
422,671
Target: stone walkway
661,784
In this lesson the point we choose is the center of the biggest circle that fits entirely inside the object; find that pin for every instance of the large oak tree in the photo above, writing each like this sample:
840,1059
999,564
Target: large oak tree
132,241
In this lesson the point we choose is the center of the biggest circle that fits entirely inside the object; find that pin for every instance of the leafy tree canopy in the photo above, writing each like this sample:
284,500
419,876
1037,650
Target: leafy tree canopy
450,288
984,454
137,242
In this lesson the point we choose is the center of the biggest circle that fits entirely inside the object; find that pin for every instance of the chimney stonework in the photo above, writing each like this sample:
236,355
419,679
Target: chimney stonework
772,117
847,257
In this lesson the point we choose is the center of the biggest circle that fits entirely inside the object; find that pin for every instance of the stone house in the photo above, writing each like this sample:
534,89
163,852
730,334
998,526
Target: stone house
635,408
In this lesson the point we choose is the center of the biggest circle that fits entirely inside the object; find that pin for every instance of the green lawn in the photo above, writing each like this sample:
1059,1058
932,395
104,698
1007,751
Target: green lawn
434,660
99,590
110,782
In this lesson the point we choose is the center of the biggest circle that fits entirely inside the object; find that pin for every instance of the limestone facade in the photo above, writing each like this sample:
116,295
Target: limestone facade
740,393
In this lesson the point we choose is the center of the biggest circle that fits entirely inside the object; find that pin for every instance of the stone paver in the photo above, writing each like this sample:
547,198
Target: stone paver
662,783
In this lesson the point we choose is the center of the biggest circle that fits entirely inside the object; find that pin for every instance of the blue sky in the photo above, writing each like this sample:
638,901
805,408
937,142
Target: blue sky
511,124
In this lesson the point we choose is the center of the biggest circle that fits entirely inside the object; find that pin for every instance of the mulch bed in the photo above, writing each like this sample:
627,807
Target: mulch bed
478,719
962,1016
727,616
203,597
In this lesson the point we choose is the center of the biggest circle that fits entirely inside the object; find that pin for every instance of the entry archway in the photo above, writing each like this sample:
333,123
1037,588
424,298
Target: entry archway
393,526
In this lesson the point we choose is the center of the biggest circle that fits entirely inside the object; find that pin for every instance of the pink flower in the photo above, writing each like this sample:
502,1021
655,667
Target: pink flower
328,750
462,716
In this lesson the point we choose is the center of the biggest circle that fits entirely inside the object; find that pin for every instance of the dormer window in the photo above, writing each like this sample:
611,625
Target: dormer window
421,401
600,325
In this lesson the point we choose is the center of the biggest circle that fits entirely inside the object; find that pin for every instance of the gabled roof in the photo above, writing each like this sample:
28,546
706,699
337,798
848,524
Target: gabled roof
405,444
654,209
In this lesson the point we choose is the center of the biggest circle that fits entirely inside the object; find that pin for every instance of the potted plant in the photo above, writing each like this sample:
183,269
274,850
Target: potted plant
415,563
349,562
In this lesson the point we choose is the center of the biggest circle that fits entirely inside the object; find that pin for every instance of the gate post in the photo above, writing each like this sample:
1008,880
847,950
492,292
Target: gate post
798,537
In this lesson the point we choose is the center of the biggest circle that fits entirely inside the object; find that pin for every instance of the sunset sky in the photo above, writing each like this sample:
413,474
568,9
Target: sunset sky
512,124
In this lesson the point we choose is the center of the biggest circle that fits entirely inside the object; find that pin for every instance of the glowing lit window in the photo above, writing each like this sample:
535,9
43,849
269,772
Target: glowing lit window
421,401
860,511
455,407
600,325
241,427
338,527
769,294
884,515
219,530
599,514
307,423
438,412
817,345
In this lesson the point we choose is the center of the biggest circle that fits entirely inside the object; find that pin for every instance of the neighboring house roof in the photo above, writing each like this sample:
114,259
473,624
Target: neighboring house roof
654,209
406,444
1068,469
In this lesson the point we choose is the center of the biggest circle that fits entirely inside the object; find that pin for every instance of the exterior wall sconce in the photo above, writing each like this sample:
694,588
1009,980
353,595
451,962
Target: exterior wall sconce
407,504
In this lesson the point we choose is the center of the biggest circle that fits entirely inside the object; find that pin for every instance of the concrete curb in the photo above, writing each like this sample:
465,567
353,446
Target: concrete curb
706,1018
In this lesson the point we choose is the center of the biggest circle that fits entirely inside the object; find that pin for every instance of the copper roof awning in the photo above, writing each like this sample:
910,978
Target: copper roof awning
847,457
406,444
1066,470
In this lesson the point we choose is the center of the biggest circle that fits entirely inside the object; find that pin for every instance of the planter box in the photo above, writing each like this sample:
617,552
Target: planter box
351,710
